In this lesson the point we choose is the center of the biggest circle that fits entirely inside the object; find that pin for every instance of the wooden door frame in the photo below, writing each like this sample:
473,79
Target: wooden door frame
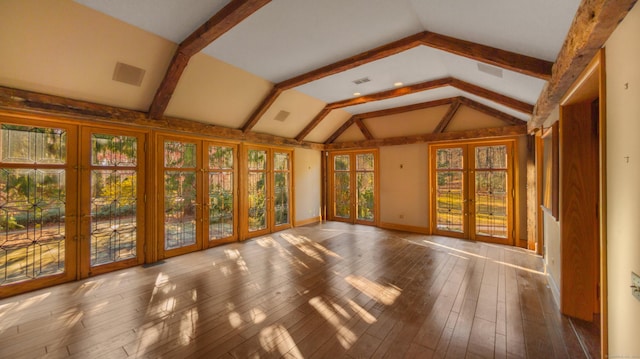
85,198
72,207
160,213
465,189
330,210
236,202
596,70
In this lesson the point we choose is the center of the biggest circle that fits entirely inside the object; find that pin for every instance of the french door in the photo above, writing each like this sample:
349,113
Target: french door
267,190
38,205
472,191
353,186
197,184
112,200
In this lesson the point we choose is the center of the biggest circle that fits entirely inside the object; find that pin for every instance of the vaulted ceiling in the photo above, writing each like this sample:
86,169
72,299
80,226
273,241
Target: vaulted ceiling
318,71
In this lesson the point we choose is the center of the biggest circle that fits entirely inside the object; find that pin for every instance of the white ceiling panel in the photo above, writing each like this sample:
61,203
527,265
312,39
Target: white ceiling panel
512,84
530,27
417,65
171,19
412,66
290,37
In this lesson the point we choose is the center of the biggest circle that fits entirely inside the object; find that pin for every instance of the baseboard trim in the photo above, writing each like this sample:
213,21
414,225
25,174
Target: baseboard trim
405,228
555,290
307,221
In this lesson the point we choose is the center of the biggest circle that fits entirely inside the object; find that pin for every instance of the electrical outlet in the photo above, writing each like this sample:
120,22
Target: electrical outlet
635,285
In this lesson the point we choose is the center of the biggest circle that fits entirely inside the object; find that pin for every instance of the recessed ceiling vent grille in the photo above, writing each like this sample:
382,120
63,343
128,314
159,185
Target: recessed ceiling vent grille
282,115
128,74
361,81
493,71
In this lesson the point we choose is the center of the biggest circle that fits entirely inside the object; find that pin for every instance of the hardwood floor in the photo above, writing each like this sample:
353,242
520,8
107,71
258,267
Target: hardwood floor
324,290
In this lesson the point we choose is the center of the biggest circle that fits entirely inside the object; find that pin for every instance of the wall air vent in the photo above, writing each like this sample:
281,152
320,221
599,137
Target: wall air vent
361,81
491,70
282,115
128,74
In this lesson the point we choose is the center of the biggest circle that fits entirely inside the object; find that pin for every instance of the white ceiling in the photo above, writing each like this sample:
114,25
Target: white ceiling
286,38
417,65
171,19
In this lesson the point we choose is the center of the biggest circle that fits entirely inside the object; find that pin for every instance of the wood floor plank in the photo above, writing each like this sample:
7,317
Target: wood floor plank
324,290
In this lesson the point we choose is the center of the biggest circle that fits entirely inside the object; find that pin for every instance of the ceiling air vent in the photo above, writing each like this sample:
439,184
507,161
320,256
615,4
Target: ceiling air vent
282,115
361,81
128,74
491,70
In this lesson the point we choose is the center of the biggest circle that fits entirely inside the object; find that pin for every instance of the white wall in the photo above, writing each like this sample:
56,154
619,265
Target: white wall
552,258
404,185
308,183
623,184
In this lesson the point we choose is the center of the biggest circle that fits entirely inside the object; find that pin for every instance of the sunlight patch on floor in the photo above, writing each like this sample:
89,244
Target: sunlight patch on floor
269,242
345,336
482,257
384,294
363,313
188,325
234,254
311,248
277,338
14,311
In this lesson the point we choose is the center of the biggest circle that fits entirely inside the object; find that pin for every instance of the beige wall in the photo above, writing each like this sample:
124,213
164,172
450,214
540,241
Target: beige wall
623,179
62,48
404,185
307,166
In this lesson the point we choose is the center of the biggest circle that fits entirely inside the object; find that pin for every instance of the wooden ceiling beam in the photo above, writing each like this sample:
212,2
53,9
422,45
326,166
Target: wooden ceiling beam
369,98
526,65
349,63
507,101
594,22
397,92
491,112
408,108
363,128
231,15
495,132
260,111
340,130
334,68
423,86
446,119
26,103
508,60
316,120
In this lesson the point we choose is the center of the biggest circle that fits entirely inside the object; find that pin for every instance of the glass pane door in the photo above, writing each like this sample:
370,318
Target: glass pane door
37,212
221,193
112,207
365,180
181,205
491,184
257,190
342,186
449,185
281,188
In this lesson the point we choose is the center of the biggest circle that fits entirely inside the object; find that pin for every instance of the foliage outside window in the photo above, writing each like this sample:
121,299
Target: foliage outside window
32,202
